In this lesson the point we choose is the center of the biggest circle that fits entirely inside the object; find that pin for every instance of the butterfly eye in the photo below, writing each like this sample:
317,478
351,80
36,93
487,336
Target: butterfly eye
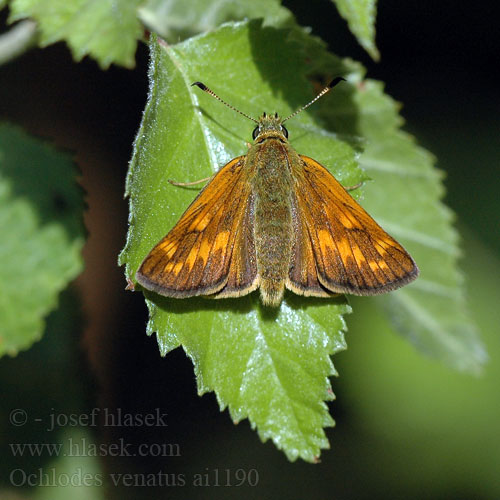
285,131
255,132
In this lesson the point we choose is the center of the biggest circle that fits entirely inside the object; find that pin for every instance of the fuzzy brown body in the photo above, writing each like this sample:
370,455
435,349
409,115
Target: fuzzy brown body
274,219
272,185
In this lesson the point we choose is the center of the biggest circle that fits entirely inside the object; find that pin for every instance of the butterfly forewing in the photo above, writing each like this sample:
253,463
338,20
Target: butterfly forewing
352,253
194,258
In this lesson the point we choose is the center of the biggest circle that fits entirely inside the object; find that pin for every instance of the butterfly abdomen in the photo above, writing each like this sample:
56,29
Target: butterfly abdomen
272,186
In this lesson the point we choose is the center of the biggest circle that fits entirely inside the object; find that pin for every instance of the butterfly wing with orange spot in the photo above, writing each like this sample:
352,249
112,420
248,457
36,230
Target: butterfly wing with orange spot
200,255
346,251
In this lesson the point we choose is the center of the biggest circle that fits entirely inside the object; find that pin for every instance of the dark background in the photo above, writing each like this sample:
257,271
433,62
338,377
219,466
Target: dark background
439,59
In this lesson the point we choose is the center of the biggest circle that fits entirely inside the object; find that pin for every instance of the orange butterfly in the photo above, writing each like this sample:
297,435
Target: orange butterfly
273,219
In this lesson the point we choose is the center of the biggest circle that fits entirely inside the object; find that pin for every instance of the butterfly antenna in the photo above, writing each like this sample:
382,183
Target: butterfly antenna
203,87
321,94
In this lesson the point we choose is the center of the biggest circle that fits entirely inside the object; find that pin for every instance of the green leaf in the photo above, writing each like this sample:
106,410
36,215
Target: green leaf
269,366
433,311
40,219
107,30
360,16
176,20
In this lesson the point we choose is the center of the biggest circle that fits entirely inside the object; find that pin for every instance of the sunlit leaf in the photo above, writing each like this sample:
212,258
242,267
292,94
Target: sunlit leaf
107,30
360,16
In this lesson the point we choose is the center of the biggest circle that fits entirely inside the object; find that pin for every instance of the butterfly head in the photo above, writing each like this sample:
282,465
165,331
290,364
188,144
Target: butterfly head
268,126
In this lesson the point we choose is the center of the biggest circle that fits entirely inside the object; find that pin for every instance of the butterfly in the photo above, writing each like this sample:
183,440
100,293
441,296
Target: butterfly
273,220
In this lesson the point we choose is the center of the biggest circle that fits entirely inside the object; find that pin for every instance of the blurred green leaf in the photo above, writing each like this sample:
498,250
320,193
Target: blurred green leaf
175,20
107,30
40,217
84,470
28,384
405,198
408,404
432,312
272,366
360,16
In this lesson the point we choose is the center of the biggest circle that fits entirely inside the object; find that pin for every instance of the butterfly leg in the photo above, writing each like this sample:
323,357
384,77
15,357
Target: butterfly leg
130,285
174,183
356,186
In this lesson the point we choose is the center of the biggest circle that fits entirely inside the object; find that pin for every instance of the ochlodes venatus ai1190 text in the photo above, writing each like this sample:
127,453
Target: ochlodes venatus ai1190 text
273,219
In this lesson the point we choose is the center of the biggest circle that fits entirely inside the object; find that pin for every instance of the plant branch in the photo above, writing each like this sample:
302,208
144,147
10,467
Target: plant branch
17,40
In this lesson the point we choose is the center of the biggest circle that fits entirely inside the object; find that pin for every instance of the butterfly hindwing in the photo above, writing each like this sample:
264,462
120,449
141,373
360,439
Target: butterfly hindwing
242,278
303,278
352,253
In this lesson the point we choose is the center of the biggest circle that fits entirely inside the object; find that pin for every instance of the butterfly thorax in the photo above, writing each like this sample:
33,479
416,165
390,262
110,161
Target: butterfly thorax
272,186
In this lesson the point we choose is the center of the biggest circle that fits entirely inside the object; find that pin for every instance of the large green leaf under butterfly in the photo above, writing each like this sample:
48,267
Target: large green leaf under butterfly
269,366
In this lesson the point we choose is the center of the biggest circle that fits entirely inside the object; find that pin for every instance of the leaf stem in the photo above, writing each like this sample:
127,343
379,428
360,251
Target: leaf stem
17,40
